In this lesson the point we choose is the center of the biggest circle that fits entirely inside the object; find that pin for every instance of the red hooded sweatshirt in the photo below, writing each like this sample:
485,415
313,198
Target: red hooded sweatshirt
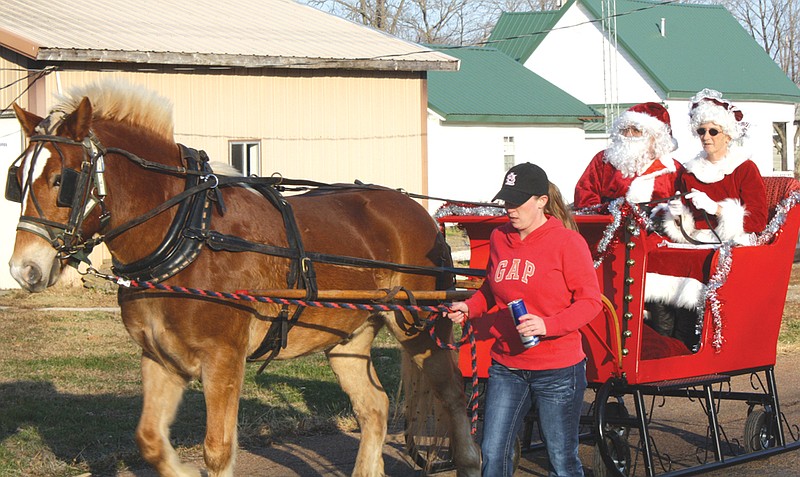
552,271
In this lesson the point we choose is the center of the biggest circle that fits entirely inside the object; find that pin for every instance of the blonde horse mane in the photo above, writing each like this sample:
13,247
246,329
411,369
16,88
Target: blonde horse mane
124,102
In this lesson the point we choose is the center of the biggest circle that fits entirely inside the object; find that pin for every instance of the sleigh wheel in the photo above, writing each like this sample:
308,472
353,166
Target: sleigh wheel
758,431
616,443
612,453
620,454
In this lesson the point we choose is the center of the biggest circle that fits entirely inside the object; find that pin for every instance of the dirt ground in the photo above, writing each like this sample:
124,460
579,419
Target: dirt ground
680,431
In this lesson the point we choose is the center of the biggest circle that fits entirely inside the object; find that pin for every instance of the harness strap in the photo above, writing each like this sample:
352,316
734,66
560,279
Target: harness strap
301,274
218,241
176,250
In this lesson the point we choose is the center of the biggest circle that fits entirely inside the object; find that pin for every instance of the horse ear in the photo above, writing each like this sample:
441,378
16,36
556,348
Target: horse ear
77,124
27,120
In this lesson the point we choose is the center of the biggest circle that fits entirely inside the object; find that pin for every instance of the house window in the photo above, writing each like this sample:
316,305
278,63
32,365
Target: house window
779,159
509,156
245,157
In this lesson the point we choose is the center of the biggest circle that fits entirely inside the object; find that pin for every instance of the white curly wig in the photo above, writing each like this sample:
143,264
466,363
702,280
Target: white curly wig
707,106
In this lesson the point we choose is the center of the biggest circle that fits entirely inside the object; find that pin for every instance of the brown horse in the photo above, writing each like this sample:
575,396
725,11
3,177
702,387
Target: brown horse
118,142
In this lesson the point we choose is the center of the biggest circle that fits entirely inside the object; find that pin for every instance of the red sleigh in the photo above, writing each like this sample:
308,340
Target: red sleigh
745,298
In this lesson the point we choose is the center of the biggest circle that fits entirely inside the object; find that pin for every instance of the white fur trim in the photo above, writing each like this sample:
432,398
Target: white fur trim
641,189
710,172
730,225
644,121
671,227
683,292
731,222
669,163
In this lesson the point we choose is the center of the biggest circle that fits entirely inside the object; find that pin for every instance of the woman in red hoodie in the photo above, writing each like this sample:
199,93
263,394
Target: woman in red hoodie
536,258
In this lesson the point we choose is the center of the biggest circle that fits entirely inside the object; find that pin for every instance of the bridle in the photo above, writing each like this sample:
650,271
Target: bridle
82,191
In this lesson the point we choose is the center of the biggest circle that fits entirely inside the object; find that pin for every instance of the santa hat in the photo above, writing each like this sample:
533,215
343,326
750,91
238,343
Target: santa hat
653,119
707,106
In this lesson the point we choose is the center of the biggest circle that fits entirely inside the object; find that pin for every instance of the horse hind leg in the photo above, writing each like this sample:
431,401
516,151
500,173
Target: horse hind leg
162,393
426,368
352,363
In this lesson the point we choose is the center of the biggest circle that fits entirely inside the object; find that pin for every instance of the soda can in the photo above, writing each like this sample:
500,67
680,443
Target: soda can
518,309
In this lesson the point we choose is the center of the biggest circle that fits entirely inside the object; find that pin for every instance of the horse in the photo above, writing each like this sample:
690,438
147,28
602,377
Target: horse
103,167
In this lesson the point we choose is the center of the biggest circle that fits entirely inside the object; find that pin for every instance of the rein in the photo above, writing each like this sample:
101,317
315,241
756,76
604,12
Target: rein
467,332
190,228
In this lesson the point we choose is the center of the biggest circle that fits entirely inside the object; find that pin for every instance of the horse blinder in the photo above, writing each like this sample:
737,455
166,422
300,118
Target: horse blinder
66,193
68,188
13,185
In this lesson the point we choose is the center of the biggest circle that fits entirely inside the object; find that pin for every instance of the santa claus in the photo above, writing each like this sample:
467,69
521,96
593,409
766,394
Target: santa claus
636,164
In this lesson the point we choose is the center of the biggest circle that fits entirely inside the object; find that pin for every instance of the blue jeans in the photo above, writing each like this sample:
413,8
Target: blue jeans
558,396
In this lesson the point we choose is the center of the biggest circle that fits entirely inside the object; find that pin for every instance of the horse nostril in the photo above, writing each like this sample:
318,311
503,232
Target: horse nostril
32,274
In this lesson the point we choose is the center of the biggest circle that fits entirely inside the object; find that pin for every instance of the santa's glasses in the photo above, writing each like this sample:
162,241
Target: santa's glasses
711,132
631,131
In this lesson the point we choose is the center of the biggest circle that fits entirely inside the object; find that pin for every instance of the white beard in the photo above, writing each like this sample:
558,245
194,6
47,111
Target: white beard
630,155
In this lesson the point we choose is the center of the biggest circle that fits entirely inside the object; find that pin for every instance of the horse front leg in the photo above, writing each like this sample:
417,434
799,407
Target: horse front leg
162,392
222,376
352,363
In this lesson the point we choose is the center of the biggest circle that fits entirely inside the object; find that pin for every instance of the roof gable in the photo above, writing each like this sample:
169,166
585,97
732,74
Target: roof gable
491,87
702,46
256,33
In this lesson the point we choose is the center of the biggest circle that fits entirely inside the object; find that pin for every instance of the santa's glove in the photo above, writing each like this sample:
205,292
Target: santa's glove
702,201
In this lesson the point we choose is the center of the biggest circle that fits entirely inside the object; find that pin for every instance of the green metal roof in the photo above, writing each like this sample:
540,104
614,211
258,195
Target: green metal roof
518,34
704,46
490,87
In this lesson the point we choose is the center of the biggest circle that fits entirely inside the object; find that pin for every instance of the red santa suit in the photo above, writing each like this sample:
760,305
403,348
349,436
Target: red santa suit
602,182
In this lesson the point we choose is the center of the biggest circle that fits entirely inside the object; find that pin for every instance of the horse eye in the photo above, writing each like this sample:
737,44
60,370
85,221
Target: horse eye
57,180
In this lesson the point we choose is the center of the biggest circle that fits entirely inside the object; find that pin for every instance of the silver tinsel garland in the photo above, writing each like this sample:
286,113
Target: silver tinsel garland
718,278
620,209
483,210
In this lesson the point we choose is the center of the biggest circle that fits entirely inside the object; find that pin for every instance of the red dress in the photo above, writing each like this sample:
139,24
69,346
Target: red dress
735,183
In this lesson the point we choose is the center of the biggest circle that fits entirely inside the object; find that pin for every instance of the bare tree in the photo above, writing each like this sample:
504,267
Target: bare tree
452,22
775,25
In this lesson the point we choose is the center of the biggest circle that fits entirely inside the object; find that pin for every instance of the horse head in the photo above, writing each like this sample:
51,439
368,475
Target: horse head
45,180
71,190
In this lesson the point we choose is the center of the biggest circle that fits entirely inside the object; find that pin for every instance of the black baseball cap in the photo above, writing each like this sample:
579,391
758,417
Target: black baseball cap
522,182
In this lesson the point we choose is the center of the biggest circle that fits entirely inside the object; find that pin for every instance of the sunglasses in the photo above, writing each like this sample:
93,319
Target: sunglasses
711,132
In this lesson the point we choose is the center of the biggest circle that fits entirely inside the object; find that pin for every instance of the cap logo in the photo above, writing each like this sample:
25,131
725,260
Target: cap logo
511,179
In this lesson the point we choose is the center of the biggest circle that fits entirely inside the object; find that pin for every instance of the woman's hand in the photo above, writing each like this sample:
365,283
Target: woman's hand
531,325
675,207
459,312
702,201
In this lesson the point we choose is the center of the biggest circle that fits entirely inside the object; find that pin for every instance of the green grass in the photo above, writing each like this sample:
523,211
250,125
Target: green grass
70,393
